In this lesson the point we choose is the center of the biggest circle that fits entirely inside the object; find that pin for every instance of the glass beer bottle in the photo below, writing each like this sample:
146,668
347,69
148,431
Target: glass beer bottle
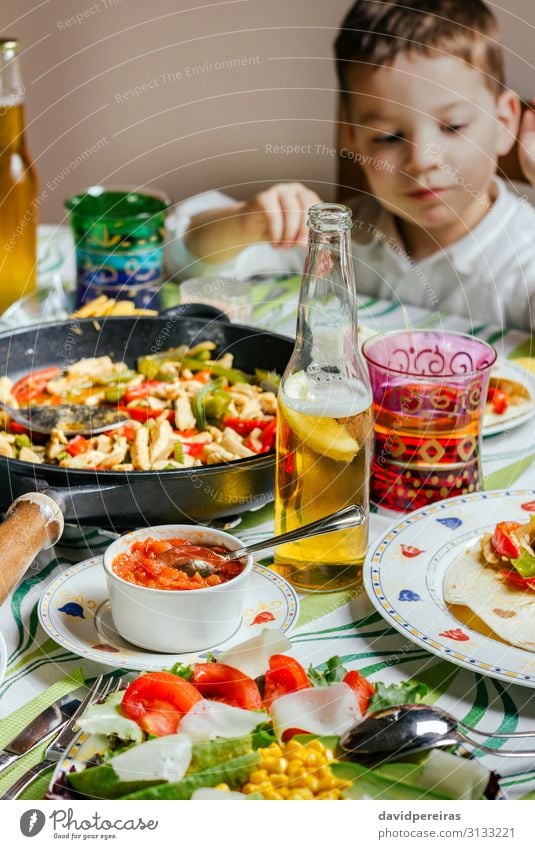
18,185
324,427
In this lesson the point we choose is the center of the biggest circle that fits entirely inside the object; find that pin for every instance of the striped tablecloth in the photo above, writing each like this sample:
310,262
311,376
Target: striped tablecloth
329,624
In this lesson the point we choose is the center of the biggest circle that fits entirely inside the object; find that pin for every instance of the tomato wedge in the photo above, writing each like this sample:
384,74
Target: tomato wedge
157,701
363,688
499,400
504,542
285,675
29,386
223,683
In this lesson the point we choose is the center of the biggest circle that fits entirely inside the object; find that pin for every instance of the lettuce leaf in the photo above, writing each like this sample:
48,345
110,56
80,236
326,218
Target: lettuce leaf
389,695
330,672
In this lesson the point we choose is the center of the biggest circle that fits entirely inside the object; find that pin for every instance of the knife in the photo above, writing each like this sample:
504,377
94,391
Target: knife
38,730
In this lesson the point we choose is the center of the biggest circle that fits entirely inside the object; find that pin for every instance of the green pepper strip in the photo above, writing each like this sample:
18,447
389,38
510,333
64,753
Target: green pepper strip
210,402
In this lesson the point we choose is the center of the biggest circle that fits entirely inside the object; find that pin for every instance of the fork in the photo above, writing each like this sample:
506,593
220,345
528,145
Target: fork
63,741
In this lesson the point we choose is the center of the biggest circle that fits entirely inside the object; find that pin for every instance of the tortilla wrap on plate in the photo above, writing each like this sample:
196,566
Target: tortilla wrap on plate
505,609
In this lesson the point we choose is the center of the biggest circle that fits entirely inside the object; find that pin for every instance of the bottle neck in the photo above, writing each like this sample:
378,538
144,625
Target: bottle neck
11,104
327,316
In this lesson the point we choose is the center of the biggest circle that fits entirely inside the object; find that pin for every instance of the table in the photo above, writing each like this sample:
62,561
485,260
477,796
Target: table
341,623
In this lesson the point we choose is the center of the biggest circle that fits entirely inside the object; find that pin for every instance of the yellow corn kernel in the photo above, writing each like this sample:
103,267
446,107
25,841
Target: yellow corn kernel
249,788
325,783
302,793
293,746
313,759
312,783
279,779
285,792
222,787
296,770
275,764
329,794
264,787
316,746
258,776
272,795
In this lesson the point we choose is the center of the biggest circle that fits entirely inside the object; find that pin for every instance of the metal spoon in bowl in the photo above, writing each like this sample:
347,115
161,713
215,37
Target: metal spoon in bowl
71,418
348,517
406,729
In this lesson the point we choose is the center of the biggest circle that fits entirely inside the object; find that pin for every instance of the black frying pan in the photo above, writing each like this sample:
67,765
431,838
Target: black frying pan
121,500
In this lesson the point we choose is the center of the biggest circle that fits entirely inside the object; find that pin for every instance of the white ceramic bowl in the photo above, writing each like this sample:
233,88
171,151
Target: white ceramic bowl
176,621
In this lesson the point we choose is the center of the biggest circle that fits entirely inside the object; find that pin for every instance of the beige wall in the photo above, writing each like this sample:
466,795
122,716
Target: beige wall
218,84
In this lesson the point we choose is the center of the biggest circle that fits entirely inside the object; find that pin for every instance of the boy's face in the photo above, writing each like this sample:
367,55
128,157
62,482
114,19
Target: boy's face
429,133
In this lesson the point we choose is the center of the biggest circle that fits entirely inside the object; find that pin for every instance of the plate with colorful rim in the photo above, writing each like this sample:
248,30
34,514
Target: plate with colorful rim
76,612
516,414
404,574
3,658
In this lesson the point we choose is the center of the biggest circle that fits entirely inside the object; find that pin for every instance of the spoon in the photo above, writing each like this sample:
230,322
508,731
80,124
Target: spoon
348,517
71,418
407,729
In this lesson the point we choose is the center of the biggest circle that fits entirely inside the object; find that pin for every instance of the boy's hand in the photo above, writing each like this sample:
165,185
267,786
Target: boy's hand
279,214
526,144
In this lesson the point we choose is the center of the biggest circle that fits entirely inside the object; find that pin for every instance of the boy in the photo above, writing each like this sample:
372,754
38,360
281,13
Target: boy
429,114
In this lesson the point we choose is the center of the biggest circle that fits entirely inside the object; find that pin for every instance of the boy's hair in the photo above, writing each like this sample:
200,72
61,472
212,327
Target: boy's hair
376,31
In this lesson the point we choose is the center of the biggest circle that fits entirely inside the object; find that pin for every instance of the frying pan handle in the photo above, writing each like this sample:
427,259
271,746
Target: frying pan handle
34,522
206,311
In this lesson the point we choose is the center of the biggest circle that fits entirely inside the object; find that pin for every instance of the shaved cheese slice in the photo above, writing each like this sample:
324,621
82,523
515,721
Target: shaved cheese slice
458,778
252,656
166,759
211,793
106,718
318,710
207,720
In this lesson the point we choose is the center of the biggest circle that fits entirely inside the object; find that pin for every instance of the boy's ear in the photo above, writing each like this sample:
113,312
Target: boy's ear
508,112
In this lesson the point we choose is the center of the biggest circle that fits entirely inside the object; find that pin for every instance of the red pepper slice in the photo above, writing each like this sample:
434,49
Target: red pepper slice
143,414
267,438
157,701
125,430
78,445
512,577
225,684
245,426
15,427
29,386
285,675
143,390
363,688
504,541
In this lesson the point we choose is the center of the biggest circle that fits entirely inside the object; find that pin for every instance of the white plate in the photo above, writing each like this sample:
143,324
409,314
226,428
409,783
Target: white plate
404,573
513,416
75,611
3,658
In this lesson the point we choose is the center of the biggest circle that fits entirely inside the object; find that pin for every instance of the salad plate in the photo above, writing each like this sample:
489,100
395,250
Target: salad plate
404,577
75,611
518,386
3,658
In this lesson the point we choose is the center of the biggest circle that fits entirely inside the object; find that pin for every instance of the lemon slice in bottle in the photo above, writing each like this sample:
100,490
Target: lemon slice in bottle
323,435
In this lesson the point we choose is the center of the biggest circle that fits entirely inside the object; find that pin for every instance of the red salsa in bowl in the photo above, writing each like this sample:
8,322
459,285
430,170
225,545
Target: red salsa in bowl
152,563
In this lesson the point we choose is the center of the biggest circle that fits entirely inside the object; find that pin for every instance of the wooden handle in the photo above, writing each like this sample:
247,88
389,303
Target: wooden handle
34,522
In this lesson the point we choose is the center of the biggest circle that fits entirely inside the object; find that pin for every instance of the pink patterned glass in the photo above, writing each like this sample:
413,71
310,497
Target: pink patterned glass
429,390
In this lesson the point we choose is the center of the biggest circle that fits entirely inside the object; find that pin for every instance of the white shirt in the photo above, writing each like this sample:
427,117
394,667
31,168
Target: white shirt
488,275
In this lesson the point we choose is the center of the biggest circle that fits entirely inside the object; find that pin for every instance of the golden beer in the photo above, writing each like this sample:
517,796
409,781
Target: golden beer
18,187
323,465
